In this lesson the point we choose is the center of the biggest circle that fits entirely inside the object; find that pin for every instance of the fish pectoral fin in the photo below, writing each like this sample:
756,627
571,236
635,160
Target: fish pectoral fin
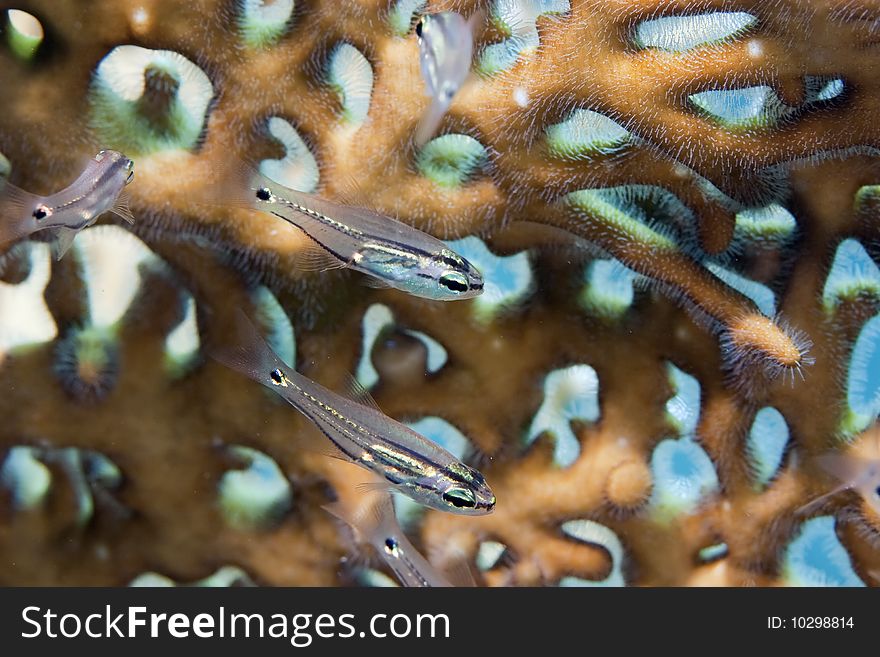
121,209
63,241
357,393
313,257
368,487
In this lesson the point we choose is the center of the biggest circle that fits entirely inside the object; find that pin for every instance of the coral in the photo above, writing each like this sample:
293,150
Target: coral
674,204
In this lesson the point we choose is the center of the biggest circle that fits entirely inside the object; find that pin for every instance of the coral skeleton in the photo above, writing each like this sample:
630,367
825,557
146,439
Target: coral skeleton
675,206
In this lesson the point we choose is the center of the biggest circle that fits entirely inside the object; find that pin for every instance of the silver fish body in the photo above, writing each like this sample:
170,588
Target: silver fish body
379,528
98,189
446,48
407,461
393,253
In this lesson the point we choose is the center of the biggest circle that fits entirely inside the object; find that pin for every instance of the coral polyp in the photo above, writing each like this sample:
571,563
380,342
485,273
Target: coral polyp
674,207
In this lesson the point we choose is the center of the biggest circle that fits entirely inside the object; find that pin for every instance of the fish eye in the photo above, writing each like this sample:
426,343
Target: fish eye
129,167
264,194
278,378
454,282
41,212
420,27
391,546
460,498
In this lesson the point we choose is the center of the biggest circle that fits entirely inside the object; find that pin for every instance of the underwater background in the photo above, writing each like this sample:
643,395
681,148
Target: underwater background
674,204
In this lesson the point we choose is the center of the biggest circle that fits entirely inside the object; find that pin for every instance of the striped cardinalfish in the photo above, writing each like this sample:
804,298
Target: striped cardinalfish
99,188
407,461
393,253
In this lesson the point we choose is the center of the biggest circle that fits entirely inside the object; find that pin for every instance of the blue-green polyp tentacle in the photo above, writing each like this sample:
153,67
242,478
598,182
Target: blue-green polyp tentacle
451,160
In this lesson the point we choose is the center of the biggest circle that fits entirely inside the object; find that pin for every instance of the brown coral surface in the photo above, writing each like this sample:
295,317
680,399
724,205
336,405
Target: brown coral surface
669,201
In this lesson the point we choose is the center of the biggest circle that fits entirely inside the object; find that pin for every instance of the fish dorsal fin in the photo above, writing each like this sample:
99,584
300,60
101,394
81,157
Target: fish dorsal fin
63,241
121,209
354,391
313,257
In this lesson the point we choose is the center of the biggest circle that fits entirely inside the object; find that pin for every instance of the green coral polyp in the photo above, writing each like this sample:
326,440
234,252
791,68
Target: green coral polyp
400,16
588,531
508,279
613,207
741,109
298,169
681,33
263,22
817,558
256,497
277,327
26,478
853,276
569,394
451,160
765,445
24,34
350,76
772,225
585,134
609,289
133,116
182,344
516,21
87,363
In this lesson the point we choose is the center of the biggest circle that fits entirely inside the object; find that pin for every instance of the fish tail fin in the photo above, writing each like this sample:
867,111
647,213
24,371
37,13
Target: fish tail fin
377,516
429,122
16,208
844,468
246,351
232,182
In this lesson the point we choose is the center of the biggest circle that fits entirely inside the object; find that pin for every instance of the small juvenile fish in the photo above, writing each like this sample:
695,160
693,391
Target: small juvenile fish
409,462
859,474
378,526
446,48
393,253
98,189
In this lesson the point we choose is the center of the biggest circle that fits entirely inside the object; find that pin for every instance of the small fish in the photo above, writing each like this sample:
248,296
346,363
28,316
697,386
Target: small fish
393,253
859,474
378,526
409,462
98,189
446,48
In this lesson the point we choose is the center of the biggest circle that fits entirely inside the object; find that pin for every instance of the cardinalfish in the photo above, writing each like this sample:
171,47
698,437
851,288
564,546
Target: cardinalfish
378,526
446,48
391,252
100,188
407,461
